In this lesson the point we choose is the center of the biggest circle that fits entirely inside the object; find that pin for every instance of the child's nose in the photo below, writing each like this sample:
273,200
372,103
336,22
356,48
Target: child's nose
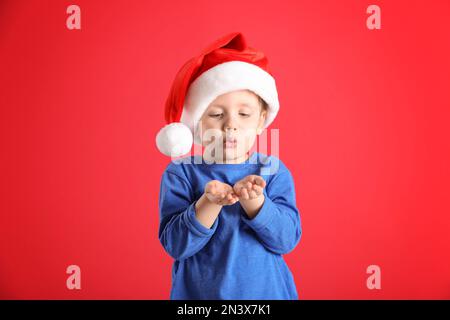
230,130
230,124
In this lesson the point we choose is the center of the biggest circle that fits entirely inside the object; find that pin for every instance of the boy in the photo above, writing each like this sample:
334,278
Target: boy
225,217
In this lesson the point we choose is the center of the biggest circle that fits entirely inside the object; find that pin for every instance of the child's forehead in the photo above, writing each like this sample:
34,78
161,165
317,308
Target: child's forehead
232,105
236,99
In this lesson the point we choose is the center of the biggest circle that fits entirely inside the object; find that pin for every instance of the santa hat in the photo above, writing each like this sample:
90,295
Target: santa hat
226,65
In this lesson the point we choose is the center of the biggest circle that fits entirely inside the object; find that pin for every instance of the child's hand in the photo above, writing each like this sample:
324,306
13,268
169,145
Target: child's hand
251,187
220,193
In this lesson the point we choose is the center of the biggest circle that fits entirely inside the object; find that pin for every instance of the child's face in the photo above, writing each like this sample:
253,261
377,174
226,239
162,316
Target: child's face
233,120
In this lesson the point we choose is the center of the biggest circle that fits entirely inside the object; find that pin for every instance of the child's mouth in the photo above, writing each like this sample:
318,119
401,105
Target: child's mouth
230,143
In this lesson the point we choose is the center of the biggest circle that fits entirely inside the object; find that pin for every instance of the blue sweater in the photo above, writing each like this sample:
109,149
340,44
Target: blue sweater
237,258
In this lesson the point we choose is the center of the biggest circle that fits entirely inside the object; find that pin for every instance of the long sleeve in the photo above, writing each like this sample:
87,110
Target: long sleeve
180,233
277,224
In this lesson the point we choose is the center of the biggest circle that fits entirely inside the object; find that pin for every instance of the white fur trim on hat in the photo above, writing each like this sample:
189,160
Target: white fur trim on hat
174,139
224,78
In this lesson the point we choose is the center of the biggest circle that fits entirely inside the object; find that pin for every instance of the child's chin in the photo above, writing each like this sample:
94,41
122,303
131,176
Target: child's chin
232,153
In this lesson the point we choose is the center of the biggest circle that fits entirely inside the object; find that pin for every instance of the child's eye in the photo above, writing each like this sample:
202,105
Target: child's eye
215,115
244,114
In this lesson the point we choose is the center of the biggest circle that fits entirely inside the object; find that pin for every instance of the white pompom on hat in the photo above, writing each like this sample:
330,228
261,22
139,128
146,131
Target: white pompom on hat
226,65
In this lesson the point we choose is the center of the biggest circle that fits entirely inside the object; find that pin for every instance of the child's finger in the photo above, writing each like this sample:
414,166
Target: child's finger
260,181
252,194
238,189
211,189
258,189
244,193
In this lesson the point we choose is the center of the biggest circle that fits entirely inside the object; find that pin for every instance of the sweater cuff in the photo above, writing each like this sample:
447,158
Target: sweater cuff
195,225
264,216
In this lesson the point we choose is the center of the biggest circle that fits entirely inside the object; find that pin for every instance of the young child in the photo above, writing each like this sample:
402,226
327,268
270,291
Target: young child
226,216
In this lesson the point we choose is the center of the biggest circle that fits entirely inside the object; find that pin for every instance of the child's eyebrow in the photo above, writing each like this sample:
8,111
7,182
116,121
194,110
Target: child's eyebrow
241,104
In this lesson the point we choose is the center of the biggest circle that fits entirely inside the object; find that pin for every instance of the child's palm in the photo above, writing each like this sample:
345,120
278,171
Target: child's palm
220,193
250,187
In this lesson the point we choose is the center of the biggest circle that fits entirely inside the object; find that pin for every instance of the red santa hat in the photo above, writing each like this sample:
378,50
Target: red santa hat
227,65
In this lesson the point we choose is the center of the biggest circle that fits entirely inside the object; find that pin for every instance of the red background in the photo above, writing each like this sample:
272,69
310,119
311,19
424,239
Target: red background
363,125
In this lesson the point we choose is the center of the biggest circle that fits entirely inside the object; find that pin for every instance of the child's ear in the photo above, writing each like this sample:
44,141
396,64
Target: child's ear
262,120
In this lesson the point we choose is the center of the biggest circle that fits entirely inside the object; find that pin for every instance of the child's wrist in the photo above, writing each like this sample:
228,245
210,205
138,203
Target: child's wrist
204,198
252,206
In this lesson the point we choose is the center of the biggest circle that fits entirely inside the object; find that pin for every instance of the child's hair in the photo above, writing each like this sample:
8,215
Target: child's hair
262,102
264,105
